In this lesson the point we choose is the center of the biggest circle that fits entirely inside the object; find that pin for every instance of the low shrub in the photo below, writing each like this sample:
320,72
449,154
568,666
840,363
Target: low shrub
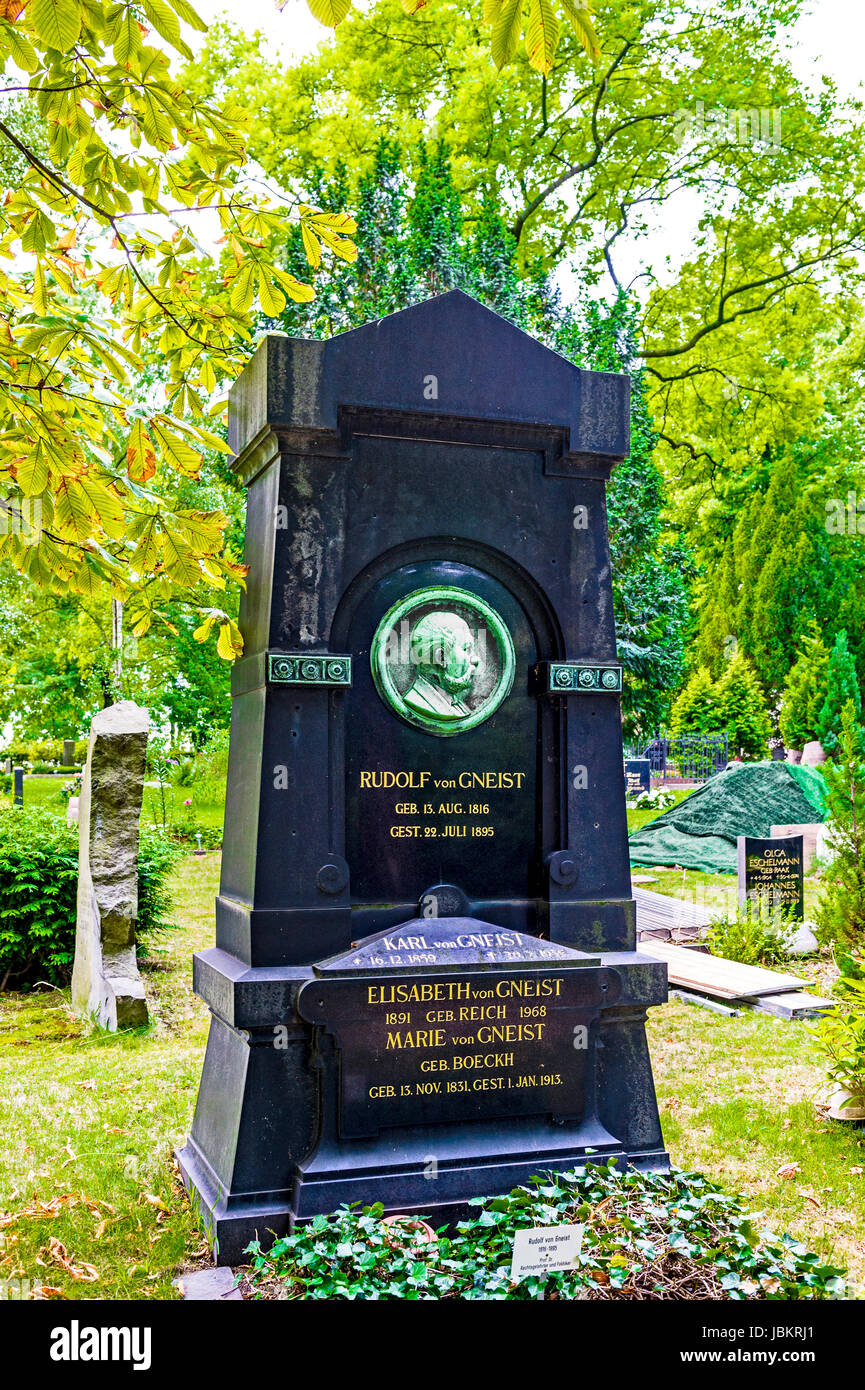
656,798
644,1236
188,831
749,939
38,893
839,1035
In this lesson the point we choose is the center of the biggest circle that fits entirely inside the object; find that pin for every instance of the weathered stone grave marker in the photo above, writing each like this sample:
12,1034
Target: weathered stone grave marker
18,786
106,983
68,752
770,876
424,986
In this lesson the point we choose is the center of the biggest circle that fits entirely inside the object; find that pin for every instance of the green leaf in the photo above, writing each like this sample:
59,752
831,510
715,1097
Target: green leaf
178,452
580,16
128,39
542,35
57,22
20,47
243,289
189,15
330,12
166,23
272,300
506,32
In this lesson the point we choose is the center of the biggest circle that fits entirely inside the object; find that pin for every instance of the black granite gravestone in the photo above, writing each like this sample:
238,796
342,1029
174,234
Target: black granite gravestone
638,776
424,986
771,876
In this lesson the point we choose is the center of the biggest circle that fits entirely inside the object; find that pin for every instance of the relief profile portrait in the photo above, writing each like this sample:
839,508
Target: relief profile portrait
443,660
443,652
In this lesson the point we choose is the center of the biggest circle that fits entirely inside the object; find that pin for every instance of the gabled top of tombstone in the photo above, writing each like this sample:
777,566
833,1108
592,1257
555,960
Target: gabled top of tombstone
447,357
452,943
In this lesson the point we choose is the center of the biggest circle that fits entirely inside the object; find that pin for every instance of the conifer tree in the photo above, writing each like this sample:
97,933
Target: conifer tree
695,710
805,690
840,914
842,686
742,708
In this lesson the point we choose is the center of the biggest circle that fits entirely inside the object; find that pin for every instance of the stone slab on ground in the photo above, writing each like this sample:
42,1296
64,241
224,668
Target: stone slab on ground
209,1285
802,942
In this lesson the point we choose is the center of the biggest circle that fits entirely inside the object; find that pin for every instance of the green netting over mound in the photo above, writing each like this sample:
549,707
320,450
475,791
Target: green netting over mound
747,799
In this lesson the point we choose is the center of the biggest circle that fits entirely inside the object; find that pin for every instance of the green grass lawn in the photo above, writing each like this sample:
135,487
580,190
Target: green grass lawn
90,1123
45,791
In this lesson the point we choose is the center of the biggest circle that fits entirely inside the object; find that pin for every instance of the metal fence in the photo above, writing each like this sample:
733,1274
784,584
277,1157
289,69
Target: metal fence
691,757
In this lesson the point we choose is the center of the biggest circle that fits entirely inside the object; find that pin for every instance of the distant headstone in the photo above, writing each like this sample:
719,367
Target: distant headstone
72,811
779,753
638,776
105,980
813,754
771,877
68,752
810,832
7,767
18,786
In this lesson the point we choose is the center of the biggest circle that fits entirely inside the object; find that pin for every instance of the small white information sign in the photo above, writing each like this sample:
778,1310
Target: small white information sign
540,1249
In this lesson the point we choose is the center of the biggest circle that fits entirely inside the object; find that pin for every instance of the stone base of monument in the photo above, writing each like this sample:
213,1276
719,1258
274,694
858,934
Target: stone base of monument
439,1062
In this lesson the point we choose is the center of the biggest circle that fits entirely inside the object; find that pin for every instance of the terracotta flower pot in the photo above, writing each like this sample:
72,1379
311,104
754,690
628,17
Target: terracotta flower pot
843,1105
408,1230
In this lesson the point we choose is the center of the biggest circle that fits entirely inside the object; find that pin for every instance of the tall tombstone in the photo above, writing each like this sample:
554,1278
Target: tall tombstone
424,986
106,983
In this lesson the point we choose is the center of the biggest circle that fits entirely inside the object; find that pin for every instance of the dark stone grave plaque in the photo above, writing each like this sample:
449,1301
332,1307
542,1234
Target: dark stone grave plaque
425,744
457,1022
771,876
638,776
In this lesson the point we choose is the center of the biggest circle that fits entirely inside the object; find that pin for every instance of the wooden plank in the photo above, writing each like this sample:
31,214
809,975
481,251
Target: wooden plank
658,909
725,979
798,1005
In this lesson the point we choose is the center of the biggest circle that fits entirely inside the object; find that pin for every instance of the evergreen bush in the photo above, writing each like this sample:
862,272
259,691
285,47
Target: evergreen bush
39,889
695,710
805,690
840,913
742,708
842,685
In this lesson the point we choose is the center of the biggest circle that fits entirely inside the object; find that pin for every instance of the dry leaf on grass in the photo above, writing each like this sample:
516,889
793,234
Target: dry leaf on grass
810,1196
788,1170
154,1201
56,1253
